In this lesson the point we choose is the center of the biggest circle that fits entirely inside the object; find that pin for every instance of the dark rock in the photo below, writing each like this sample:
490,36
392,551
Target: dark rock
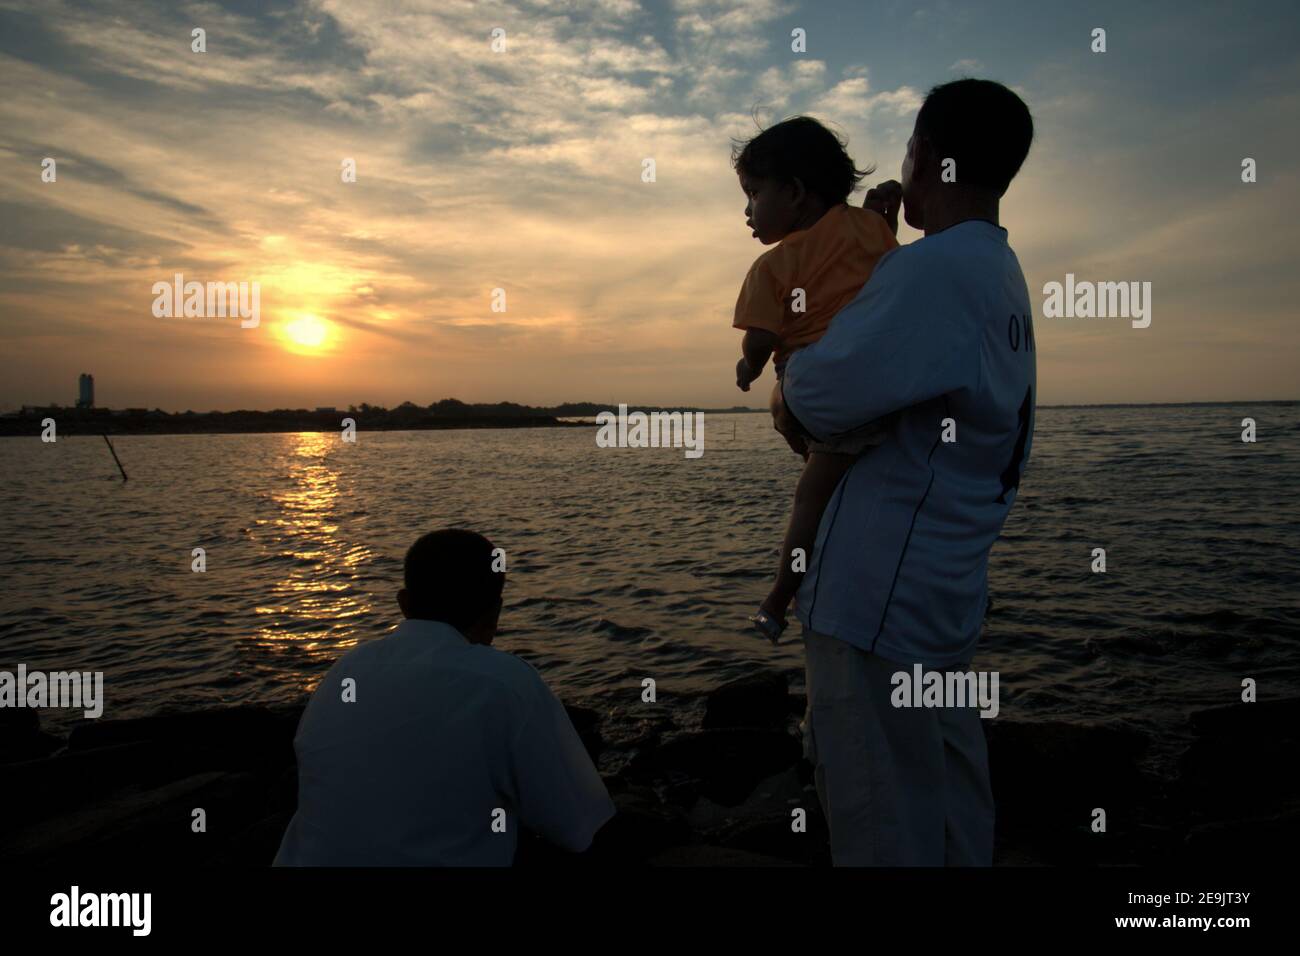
1270,719
679,789
40,788
144,825
18,721
1262,839
257,739
776,795
642,826
235,728
582,718
256,845
1232,766
587,723
1237,772
759,700
124,789
723,765
283,797
773,837
1046,766
107,761
764,822
1049,776
806,770
21,737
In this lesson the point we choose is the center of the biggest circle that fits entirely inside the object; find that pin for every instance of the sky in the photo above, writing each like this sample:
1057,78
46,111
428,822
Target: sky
521,169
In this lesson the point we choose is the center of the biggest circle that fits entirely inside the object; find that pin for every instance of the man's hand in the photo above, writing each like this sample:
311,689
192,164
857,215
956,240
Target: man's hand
785,424
745,374
798,444
885,199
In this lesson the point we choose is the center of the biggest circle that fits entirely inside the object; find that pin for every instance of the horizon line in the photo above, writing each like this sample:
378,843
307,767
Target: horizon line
735,409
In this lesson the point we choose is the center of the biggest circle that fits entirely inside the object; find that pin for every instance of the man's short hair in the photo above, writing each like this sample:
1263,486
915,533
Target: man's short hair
448,577
981,125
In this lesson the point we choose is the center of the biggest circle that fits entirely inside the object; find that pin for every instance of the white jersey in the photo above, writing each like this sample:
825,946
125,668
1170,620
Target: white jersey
942,333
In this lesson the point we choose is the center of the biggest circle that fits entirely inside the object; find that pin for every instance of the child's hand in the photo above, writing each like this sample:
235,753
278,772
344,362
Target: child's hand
745,374
885,200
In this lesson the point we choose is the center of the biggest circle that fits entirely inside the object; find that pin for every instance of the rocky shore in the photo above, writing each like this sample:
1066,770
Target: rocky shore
121,792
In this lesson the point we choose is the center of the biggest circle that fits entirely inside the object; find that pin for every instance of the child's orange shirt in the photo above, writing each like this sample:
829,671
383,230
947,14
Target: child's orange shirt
831,261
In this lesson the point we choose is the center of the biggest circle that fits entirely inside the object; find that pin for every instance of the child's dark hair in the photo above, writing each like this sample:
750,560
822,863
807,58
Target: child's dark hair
801,148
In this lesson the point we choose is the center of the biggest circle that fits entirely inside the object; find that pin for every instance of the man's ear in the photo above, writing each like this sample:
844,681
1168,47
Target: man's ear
924,162
484,630
404,602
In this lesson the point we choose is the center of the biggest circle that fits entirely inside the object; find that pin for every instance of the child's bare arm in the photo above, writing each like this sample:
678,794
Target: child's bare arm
756,348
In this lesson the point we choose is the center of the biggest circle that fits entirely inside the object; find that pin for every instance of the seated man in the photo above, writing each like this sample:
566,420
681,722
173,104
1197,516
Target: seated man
428,747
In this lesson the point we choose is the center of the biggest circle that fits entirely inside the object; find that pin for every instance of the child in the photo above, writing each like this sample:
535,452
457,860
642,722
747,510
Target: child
797,177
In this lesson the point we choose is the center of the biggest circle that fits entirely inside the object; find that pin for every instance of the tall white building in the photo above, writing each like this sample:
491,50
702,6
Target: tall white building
86,391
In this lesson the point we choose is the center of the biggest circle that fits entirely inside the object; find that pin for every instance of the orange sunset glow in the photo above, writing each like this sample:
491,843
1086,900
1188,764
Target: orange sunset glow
522,171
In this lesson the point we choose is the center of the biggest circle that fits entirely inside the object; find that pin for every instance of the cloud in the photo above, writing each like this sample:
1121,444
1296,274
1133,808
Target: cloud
777,85
851,99
519,170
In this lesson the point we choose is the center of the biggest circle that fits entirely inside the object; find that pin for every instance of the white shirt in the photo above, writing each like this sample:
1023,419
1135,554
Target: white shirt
942,331
444,738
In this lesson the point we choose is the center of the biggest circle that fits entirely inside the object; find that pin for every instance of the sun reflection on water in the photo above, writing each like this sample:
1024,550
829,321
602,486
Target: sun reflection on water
312,604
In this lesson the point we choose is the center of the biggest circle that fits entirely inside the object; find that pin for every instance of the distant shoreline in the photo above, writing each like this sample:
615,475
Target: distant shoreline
446,415
29,428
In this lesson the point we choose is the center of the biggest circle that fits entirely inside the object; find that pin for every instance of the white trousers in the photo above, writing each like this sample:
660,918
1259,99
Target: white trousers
899,786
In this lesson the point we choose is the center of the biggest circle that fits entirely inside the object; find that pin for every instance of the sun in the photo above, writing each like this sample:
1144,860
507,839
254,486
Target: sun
308,333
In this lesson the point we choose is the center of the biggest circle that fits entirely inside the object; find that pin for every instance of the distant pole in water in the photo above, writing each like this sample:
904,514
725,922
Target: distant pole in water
114,451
